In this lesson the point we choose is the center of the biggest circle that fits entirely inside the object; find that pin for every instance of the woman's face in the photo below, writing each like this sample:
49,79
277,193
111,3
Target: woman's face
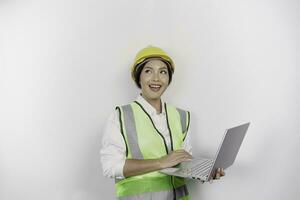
154,79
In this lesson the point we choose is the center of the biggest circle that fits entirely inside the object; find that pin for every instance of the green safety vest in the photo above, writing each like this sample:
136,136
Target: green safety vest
144,141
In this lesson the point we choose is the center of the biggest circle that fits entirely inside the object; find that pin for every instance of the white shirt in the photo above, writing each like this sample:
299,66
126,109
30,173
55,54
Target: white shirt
113,151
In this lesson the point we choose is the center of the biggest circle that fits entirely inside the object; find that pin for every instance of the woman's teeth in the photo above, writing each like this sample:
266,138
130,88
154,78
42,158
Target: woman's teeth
155,87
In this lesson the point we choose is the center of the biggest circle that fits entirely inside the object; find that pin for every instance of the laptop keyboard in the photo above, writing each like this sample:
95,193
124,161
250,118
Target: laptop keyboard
200,167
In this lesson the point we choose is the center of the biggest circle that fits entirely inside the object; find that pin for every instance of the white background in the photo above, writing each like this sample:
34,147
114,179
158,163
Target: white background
64,65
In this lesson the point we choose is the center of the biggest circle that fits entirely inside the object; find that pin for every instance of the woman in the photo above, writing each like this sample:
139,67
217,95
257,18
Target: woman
147,135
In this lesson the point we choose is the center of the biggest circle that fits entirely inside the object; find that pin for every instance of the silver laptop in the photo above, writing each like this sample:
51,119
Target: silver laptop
203,168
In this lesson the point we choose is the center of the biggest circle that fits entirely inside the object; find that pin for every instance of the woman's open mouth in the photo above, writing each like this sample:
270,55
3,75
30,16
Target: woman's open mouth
155,87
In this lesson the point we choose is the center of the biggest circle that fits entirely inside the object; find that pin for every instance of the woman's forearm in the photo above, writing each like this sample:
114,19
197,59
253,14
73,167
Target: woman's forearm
135,167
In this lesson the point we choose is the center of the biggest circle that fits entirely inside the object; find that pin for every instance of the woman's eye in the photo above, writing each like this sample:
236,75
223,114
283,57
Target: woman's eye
147,71
164,72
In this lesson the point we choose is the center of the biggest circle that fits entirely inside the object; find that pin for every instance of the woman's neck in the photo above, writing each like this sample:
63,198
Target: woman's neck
156,103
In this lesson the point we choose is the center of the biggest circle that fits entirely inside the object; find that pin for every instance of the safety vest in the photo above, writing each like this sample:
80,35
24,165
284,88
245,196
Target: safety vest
144,141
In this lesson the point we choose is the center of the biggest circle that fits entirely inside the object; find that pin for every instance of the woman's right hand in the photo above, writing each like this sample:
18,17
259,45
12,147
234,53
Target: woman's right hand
174,158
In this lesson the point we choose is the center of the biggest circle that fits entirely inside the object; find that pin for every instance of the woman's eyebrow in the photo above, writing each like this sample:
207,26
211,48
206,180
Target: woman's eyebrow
158,68
163,67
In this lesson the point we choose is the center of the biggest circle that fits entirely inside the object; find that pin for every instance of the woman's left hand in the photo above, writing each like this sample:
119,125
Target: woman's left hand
220,172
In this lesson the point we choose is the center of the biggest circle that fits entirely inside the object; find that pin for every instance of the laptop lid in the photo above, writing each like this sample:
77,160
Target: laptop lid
229,148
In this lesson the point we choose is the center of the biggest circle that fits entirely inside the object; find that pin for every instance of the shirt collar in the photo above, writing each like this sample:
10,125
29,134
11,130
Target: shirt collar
148,107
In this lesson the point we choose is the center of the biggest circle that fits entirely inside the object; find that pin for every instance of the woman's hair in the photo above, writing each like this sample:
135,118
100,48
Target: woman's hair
139,69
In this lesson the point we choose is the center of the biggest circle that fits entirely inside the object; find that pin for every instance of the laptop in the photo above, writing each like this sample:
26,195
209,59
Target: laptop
204,169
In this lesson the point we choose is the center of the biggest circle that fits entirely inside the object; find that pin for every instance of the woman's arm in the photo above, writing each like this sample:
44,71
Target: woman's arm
135,167
113,150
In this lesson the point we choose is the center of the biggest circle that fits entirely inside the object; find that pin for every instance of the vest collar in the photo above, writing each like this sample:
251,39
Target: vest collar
148,107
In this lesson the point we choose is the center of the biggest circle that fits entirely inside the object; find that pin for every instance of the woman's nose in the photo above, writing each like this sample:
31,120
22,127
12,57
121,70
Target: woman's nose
156,76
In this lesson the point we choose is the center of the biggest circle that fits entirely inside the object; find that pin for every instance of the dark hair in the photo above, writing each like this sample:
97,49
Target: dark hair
138,71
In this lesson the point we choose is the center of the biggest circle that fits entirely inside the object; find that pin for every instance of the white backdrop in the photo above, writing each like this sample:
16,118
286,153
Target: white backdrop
64,65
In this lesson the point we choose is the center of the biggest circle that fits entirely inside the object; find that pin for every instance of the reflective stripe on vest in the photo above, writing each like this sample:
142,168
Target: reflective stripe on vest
132,137
144,141
185,120
181,193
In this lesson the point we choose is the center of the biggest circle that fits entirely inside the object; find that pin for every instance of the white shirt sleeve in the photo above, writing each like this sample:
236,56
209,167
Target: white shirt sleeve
113,151
187,146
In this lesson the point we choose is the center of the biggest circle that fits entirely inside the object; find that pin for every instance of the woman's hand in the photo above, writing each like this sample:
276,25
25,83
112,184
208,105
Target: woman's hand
174,158
219,173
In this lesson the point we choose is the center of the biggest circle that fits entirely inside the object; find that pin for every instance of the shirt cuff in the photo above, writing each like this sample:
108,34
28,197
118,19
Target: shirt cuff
119,170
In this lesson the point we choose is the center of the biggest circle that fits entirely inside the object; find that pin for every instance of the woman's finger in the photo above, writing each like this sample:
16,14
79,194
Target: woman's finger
217,175
179,151
222,173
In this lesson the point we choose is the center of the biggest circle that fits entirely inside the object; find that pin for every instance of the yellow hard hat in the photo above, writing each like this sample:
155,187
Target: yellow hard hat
150,52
